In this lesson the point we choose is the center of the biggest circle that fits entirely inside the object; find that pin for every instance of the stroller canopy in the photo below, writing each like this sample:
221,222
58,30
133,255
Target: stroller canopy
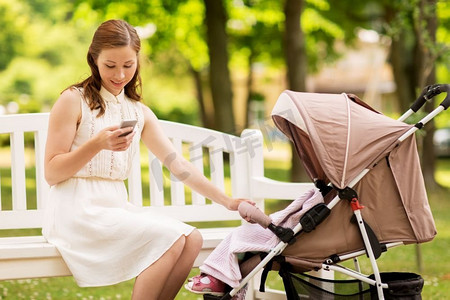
345,135
337,136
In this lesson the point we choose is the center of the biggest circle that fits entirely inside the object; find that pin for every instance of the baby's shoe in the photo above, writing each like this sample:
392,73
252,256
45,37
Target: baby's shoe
205,284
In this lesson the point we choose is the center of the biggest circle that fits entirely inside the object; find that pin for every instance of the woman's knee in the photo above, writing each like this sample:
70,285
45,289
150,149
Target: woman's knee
194,240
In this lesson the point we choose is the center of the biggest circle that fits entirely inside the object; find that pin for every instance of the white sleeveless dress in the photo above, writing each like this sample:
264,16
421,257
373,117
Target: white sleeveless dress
102,237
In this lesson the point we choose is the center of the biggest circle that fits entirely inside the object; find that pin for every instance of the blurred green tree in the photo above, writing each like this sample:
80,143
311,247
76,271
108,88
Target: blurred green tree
296,62
255,30
414,54
219,74
13,22
37,44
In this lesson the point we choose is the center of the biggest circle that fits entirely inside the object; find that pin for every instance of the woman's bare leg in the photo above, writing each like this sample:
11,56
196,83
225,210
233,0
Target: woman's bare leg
164,278
183,266
150,282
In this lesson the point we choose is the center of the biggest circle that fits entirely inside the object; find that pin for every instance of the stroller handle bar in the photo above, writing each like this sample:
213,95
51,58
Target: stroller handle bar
427,94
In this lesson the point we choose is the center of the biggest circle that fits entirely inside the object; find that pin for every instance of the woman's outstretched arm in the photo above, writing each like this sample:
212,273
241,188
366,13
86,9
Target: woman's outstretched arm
158,143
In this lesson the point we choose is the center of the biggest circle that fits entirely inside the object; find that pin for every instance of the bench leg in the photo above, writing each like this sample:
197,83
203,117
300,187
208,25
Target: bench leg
253,287
324,275
253,292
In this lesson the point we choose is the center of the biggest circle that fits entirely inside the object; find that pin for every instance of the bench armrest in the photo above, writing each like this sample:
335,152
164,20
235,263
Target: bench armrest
263,187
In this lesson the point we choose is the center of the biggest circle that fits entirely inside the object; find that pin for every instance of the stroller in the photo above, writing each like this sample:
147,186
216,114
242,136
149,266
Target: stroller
367,168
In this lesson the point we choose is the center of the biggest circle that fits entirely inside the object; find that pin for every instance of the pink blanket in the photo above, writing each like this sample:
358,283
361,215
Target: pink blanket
223,262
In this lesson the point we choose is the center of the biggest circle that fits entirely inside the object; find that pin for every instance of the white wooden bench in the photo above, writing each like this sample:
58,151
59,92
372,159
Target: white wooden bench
32,257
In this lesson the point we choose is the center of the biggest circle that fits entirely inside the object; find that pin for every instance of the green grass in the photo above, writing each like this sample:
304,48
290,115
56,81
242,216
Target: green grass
435,254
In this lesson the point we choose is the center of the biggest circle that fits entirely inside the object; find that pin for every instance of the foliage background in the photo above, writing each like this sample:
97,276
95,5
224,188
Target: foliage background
44,44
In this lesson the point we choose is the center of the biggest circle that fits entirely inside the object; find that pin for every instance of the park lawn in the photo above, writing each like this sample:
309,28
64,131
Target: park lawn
435,257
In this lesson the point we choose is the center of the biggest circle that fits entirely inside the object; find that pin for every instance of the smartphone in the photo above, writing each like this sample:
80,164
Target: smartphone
127,123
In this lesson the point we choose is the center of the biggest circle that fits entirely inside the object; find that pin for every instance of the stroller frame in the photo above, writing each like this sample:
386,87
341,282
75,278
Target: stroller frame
329,265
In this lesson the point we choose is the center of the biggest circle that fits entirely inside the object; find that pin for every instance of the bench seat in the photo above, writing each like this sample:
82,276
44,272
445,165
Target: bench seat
32,256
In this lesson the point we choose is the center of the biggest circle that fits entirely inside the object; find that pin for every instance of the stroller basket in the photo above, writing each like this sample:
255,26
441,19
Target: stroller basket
401,286
299,286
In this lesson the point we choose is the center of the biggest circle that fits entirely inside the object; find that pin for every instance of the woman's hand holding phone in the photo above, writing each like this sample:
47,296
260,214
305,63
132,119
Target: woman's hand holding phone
126,124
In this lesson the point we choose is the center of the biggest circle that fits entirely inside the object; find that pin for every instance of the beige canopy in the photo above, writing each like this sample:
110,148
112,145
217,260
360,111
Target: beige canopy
337,136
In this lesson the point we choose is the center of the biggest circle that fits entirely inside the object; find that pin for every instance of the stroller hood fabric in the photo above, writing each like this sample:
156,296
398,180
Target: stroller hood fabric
337,136
346,137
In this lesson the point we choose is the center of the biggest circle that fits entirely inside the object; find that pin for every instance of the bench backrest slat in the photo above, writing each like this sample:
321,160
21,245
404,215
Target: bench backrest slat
216,167
156,178
19,194
196,157
177,195
42,188
240,188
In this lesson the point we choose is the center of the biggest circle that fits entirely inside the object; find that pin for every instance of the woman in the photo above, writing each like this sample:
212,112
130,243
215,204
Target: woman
101,236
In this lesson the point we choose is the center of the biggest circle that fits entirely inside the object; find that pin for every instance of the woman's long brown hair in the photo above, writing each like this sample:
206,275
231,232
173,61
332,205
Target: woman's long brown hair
110,34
